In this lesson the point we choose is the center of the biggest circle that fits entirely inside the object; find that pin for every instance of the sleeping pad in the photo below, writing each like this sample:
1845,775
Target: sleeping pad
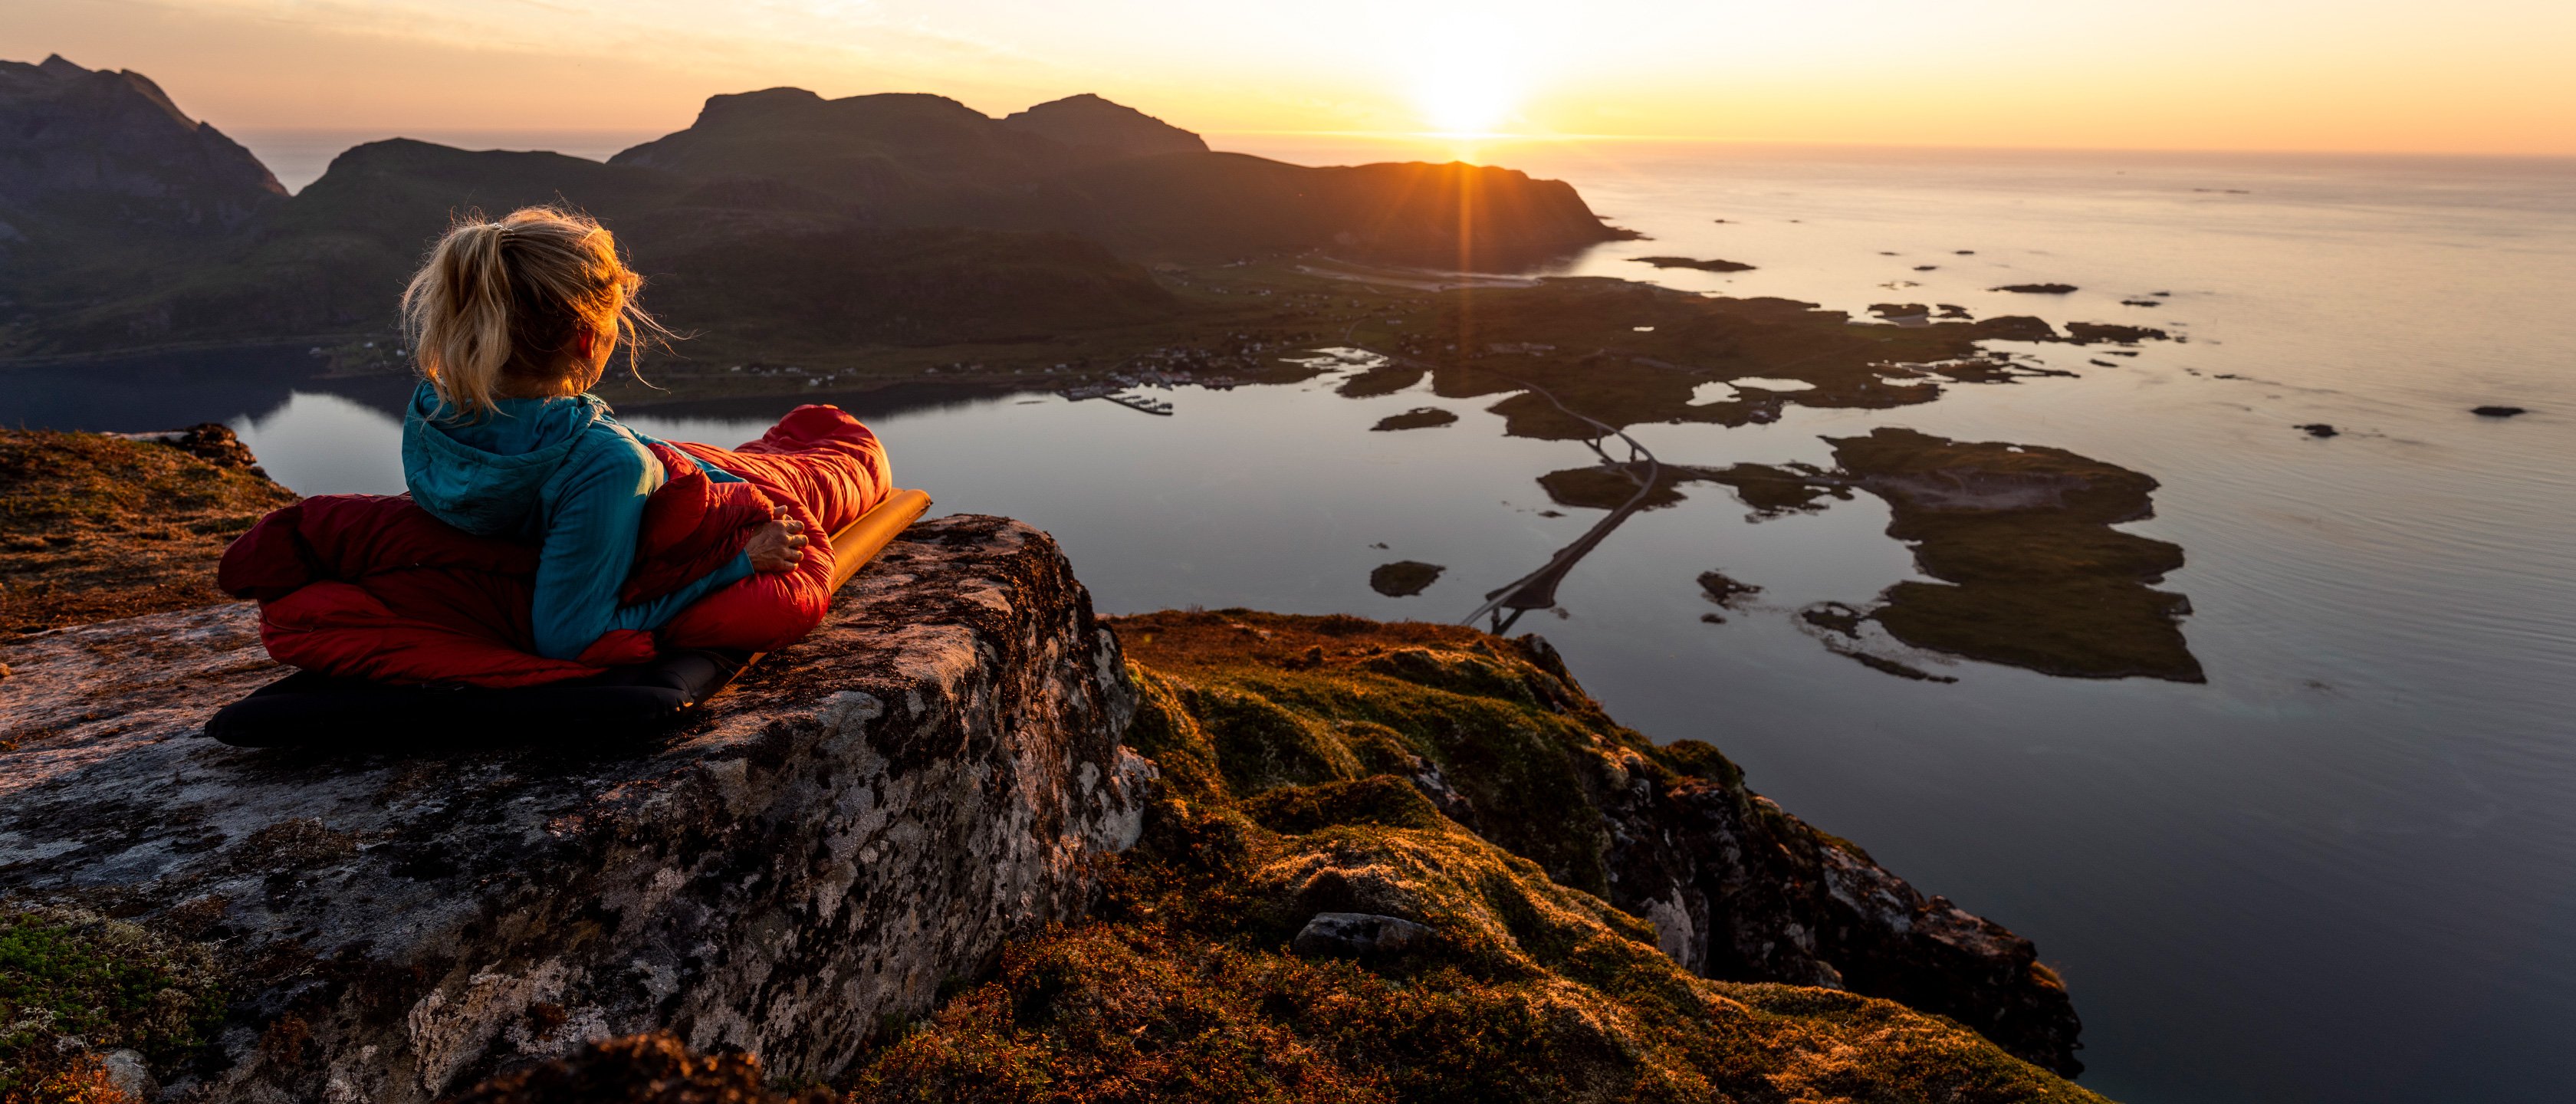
373,588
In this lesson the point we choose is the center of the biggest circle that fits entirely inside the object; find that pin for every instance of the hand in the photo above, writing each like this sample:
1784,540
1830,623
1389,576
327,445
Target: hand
778,545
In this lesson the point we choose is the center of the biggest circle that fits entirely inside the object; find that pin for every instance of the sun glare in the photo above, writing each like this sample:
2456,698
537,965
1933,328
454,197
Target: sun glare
1467,101
1468,82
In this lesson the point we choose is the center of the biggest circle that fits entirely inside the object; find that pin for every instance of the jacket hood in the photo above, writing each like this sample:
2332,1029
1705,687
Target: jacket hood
487,474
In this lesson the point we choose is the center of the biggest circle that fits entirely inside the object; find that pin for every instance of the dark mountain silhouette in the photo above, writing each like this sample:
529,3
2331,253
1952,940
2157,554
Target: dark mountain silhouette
111,150
1454,215
1097,127
785,219
911,159
734,256
896,155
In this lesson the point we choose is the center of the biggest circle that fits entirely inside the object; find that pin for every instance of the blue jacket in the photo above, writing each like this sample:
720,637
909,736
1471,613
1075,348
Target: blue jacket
560,471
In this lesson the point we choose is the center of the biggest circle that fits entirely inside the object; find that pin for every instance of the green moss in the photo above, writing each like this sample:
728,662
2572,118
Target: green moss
1531,989
1379,749
1165,732
1697,757
1507,756
1378,799
110,985
1259,745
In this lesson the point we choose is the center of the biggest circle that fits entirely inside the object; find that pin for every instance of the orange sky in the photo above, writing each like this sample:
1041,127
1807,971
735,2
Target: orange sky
2469,76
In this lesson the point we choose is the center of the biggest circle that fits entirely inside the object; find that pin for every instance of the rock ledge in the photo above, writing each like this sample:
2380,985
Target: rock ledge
867,817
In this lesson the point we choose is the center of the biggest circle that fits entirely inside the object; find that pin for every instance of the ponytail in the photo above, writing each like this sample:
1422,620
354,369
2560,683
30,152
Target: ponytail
514,298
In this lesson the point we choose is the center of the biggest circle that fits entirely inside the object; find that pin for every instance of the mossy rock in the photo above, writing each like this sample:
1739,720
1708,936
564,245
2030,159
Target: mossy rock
1304,756
1301,758
1381,799
1260,745
74,986
1184,989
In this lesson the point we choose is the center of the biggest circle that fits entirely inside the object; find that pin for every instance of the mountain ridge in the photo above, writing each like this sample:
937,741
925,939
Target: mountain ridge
113,147
1086,121
917,219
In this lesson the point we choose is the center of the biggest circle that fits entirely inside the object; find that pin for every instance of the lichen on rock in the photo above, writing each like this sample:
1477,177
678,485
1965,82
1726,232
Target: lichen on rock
864,819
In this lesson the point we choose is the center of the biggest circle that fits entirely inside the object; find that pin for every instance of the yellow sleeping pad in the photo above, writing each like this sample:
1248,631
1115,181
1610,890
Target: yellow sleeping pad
858,543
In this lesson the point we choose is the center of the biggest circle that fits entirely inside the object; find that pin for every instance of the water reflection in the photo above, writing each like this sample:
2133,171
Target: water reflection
318,443
170,390
1537,590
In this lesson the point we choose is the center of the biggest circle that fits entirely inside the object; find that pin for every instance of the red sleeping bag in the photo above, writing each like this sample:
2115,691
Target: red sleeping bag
374,587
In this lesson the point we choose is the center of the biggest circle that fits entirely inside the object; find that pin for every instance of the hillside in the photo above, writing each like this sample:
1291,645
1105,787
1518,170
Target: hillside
94,526
778,225
724,257
112,151
1094,127
928,160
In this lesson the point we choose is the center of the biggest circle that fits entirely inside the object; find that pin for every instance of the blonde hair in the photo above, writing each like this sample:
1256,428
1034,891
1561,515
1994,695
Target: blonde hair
513,298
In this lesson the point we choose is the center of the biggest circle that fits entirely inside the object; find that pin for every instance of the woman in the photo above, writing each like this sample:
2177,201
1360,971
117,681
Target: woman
512,322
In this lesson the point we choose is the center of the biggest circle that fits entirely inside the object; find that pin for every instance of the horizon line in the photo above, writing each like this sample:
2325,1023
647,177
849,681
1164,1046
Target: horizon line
1420,135
1536,138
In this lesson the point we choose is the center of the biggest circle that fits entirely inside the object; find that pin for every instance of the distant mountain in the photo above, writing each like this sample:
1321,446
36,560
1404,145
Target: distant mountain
111,149
107,189
910,159
1097,127
1451,216
727,258
896,157
779,217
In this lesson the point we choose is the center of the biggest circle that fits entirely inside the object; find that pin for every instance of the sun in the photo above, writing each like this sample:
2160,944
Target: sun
1467,82
1467,102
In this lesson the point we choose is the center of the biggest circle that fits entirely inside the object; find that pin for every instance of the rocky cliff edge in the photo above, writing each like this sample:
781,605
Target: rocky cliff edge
867,817
914,856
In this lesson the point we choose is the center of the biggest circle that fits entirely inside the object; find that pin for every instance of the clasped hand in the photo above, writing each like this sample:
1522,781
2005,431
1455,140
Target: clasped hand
778,545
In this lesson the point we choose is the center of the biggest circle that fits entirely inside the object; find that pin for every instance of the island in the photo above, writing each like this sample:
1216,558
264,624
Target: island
2033,572
1420,417
1404,578
1711,265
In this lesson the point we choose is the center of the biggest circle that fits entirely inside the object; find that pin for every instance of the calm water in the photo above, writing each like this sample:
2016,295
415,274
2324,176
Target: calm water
2344,869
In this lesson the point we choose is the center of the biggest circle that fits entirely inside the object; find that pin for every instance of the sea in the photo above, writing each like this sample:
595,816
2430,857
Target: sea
2343,869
